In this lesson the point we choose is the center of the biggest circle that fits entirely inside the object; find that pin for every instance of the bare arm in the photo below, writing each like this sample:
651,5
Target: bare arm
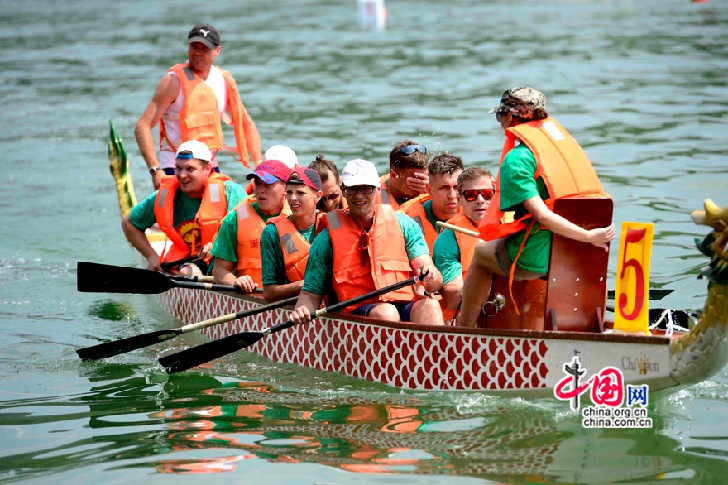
305,306
139,240
599,237
451,293
273,293
165,94
222,274
433,281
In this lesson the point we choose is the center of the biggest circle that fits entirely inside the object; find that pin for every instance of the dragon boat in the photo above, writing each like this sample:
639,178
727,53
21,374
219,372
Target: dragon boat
497,359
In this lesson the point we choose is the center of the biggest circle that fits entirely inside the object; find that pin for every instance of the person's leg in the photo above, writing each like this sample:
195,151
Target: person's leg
191,269
478,282
426,311
385,311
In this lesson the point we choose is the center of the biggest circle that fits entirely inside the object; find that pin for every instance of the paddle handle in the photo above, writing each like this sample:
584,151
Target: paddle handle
459,229
234,316
193,285
344,304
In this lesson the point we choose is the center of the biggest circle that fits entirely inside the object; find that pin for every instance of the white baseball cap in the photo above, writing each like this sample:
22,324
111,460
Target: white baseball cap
283,154
360,172
194,149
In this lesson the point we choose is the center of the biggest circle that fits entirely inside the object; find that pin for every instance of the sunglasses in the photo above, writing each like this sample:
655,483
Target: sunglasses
364,189
472,194
501,113
410,149
331,197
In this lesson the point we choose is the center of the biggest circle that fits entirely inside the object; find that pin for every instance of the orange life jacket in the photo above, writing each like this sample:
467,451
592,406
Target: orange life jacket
416,210
364,262
384,196
199,118
213,208
466,244
250,226
562,164
294,247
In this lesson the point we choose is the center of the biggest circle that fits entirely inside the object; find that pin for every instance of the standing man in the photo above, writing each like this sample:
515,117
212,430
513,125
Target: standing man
237,247
189,103
453,251
407,176
367,248
285,241
548,164
188,208
441,201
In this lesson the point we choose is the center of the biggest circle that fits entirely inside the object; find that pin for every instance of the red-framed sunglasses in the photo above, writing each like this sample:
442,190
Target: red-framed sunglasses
472,194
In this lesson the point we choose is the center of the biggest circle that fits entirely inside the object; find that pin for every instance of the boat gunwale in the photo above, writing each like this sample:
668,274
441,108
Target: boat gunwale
654,339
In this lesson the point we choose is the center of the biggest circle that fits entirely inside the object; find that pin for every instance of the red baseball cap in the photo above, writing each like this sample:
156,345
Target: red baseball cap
271,171
305,176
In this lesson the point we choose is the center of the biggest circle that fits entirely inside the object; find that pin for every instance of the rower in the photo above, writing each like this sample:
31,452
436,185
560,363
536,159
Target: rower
286,240
453,251
407,177
441,202
237,247
188,208
367,248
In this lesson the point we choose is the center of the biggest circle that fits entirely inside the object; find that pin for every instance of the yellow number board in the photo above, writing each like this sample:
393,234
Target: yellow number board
631,298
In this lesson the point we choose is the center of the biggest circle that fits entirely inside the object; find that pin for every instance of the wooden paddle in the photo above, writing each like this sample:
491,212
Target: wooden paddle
204,279
655,294
104,278
195,356
110,349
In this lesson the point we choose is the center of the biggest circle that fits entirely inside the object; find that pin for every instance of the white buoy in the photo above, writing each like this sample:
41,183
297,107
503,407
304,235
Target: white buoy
372,14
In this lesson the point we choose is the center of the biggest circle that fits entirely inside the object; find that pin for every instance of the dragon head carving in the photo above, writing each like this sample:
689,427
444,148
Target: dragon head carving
714,244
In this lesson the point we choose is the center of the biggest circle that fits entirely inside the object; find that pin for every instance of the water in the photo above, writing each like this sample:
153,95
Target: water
640,84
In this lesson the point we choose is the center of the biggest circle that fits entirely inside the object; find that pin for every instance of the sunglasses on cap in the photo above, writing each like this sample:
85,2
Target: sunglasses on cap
410,149
472,194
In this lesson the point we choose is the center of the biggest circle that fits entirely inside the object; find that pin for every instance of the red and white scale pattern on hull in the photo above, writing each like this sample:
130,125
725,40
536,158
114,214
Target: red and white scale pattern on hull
411,359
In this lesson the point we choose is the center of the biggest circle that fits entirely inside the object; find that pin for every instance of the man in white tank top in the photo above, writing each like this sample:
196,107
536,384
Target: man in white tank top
168,100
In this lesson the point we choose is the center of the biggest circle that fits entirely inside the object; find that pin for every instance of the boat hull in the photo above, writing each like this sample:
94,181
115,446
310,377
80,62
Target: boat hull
418,357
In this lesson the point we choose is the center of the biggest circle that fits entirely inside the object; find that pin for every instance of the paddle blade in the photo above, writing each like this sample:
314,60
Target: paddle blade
104,278
110,349
195,356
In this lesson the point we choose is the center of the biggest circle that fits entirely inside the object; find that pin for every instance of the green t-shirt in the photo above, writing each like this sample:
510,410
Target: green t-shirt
319,269
274,270
516,186
446,255
226,244
185,209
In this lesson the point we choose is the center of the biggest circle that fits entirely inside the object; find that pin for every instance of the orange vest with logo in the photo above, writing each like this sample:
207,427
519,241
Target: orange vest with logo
364,262
294,247
466,244
416,210
384,196
199,118
562,164
213,208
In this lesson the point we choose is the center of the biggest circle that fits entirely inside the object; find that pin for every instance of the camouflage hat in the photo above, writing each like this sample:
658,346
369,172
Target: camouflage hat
524,102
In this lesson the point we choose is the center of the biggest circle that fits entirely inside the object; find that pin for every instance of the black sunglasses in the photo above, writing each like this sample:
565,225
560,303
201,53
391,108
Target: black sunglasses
410,149
501,113
331,197
364,189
